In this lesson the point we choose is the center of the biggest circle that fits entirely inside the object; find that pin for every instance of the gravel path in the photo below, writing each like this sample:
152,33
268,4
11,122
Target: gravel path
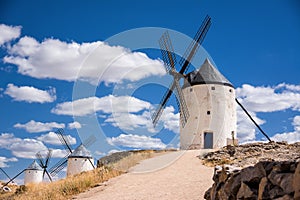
176,175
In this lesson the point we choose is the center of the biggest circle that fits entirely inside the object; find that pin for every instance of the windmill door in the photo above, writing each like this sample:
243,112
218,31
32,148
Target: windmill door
208,140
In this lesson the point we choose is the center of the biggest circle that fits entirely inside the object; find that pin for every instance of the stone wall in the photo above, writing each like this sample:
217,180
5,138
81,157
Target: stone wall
278,180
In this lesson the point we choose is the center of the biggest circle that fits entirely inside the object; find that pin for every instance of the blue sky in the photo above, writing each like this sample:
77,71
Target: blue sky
55,52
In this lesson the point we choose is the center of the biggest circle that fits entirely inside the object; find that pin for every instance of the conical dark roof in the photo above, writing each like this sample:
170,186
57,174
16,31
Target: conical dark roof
207,74
81,152
34,166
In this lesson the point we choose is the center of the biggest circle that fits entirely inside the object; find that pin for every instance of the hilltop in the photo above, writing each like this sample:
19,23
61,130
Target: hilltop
250,154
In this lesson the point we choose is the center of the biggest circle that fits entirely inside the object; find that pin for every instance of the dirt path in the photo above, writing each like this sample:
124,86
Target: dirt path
178,175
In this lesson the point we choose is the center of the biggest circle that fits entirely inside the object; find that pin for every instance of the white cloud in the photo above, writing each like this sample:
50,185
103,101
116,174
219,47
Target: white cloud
4,161
137,141
36,127
8,33
107,104
266,99
246,130
130,121
123,112
52,138
290,137
26,148
58,153
60,60
30,94
290,87
74,125
6,139
269,99
170,120
296,123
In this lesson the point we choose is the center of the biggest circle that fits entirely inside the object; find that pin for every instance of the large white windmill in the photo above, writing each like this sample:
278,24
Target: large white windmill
206,100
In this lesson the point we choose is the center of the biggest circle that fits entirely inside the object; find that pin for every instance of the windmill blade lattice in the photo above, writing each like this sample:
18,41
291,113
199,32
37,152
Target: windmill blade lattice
54,170
167,52
169,59
60,165
44,162
64,140
195,44
184,112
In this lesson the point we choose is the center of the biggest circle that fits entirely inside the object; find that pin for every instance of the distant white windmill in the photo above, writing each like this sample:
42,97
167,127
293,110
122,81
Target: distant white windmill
77,161
33,173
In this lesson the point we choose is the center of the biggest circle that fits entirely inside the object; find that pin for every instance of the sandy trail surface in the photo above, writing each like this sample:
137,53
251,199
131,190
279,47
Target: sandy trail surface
175,175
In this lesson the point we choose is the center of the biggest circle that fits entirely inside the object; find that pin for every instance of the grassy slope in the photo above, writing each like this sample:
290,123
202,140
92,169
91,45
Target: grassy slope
68,187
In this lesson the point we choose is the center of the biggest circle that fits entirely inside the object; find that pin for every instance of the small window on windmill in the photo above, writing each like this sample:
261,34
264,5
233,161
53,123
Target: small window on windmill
84,159
213,88
191,89
230,90
75,159
208,112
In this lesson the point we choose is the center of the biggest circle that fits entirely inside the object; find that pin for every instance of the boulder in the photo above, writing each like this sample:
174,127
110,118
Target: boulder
264,189
296,183
245,192
283,180
253,175
233,184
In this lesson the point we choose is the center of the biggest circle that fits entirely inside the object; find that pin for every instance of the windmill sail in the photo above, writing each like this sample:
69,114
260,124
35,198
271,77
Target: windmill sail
169,59
60,165
44,162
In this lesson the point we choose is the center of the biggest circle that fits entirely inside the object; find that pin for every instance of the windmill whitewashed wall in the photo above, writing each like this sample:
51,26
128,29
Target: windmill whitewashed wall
33,174
79,161
210,99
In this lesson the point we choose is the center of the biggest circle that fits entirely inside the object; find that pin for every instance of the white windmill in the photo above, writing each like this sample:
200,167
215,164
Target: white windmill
210,99
33,173
78,160
206,100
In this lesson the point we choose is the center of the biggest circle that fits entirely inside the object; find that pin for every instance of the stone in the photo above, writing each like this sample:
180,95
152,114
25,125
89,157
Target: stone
268,166
207,194
253,175
285,197
283,180
245,192
222,194
276,192
233,184
263,189
296,182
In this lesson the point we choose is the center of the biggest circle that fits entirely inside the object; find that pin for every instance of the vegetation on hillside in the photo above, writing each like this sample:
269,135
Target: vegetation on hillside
63,189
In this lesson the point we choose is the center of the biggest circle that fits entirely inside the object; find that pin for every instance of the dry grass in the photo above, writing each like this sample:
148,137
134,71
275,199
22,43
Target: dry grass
70,186
62,189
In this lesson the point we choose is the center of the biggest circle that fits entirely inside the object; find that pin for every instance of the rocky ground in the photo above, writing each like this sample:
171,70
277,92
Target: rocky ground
250,154
255,171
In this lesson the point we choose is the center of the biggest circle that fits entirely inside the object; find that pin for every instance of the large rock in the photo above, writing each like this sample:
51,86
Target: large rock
233,184
245,192
252,175
263,189
296,183
263,181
